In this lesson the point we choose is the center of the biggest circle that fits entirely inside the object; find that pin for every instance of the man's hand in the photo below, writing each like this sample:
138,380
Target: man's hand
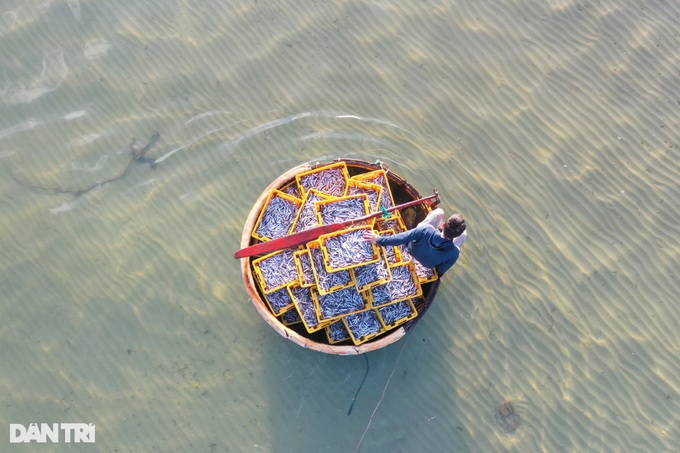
371,236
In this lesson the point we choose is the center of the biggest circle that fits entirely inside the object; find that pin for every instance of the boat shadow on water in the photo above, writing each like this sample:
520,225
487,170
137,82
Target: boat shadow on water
377,401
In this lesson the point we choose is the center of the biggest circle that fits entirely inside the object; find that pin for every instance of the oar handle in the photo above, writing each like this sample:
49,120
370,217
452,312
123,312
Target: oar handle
434,197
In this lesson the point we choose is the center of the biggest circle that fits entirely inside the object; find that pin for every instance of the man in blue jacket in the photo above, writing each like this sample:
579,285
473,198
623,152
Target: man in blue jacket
435,243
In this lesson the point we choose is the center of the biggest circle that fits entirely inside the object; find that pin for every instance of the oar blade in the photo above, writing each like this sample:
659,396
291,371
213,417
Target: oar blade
287,242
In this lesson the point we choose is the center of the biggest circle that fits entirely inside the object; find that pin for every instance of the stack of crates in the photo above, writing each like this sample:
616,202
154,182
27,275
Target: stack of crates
352,289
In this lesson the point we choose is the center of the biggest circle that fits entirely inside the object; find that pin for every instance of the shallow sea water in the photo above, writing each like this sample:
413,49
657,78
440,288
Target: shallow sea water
552,126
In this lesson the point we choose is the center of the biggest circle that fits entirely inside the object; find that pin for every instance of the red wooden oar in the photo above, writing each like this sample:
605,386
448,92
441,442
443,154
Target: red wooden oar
309,235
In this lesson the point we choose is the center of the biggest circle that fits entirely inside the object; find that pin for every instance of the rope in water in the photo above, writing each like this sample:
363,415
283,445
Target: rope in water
370,420
351,406
137,156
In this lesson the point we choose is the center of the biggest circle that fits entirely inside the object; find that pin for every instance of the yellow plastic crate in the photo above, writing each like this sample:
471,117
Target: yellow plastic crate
292,189
368,298
275,270
419,303
404,285
290,317
303,300
358,202
394,223
372,191
330,179
327,282
306,217
348,243
425,274
279,301
336,332
370,275
392,252
396,314
378,177
275,223
333,306
364,325
303,262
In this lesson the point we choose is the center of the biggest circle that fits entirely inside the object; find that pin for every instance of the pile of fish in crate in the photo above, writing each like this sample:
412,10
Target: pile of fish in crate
353,289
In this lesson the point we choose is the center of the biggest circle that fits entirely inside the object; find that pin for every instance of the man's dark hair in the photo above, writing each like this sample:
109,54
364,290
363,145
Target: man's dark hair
454,226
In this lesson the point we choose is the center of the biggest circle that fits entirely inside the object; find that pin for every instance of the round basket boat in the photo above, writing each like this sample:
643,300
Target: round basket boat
402,192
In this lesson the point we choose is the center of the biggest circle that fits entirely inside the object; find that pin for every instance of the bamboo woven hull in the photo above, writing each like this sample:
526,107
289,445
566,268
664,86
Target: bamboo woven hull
404,192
